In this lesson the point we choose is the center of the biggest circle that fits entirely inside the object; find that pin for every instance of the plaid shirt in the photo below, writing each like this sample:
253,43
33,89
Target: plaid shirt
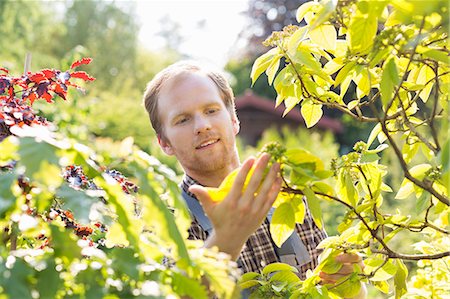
259,250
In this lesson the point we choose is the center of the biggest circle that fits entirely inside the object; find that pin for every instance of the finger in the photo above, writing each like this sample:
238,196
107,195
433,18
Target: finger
202,196
255,180
331,277
345,269
348,258
238,185
270,188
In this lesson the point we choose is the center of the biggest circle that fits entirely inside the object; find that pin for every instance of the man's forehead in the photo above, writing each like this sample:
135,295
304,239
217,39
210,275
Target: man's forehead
179,88
182,78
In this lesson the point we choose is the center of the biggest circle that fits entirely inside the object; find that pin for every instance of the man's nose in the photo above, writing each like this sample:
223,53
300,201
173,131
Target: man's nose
202,124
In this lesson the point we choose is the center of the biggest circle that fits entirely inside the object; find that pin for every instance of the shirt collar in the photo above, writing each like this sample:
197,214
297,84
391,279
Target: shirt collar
188,182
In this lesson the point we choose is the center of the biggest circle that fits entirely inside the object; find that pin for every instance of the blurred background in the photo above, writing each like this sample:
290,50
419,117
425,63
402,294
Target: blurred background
130,41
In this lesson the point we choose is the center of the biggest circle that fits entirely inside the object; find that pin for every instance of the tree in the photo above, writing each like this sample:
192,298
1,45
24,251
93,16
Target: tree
396,53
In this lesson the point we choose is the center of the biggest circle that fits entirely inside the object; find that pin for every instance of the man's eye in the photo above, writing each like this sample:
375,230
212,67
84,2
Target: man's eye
211,110
181,121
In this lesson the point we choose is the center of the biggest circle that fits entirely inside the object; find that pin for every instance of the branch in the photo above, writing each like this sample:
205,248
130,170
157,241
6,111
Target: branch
411,257
424,185
387,250
406,70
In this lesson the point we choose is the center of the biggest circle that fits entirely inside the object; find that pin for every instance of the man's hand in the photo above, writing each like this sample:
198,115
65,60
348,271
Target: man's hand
348,261
241,212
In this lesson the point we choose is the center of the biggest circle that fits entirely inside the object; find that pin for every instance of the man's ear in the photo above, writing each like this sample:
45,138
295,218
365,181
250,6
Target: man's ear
165,145
236,124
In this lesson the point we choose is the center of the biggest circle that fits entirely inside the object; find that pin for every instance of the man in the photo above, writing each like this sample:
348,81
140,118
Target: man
192,111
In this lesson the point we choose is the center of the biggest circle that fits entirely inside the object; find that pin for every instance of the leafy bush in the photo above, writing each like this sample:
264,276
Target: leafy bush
73,227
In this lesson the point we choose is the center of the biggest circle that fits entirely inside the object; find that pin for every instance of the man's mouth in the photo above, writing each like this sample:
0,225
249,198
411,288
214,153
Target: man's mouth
207,143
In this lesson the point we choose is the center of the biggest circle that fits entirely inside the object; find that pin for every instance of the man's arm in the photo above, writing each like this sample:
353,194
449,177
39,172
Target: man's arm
241,213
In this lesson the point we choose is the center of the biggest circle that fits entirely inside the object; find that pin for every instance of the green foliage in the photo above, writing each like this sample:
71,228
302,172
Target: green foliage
72,227
395,53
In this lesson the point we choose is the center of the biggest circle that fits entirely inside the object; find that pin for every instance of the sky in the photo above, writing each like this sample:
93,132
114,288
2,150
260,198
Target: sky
209,28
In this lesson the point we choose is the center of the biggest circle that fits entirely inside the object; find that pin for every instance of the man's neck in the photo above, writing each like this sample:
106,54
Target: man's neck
213,178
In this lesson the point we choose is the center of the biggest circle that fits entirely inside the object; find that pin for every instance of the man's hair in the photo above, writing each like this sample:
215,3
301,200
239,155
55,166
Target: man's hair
173,71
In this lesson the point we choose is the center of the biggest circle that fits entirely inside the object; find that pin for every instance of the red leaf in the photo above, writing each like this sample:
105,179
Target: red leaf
82,75
48,73
32,97
80,62
60,91
4,70
48,97
37,77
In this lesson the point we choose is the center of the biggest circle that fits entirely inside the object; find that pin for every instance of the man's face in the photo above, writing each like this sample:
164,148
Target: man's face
196,126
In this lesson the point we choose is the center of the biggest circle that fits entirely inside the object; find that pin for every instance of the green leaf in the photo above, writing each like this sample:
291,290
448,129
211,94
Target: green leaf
49,280
314,207
361,32
285,276
7,198
249,276
33,153
124,261
77,201
249,283
18,284
444,156
324,36
184,285
437,55
389,79
311,113
123,207
274,267
64,244
282,224
400,279
262,63
422,202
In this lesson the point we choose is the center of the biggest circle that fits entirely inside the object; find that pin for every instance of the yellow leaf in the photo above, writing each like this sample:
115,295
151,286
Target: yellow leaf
282,224
325,36
304,9
311,113
406,189
361,33
116,236
273,68
424,76
290,103
262,63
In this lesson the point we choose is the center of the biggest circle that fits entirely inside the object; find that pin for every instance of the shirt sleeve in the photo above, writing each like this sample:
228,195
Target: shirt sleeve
311,235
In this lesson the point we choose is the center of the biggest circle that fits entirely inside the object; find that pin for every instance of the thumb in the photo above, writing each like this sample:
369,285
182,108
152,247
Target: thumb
202,196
